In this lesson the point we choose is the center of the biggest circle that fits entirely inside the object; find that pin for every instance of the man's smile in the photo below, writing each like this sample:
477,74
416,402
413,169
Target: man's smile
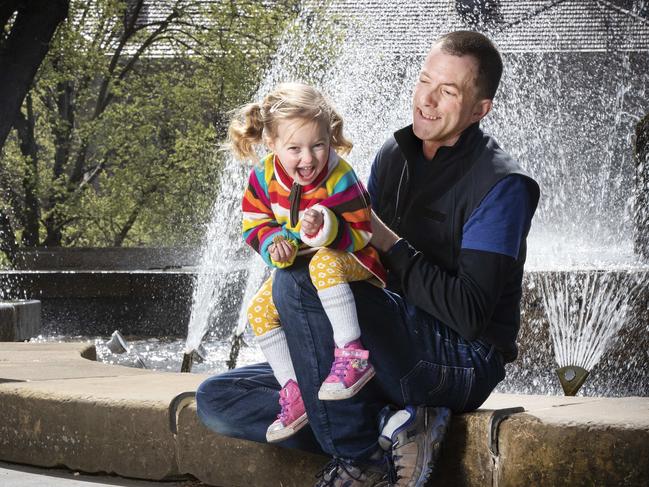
426,116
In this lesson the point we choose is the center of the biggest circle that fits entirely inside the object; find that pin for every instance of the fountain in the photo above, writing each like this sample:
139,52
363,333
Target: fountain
566,109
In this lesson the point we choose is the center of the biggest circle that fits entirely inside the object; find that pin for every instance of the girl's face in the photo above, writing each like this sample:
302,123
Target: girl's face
302,148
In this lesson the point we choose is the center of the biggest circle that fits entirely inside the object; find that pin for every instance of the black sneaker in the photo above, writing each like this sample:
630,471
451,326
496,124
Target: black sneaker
341,473
413,436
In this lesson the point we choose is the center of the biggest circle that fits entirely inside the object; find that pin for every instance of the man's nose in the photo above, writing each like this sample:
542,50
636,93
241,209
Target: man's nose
429,98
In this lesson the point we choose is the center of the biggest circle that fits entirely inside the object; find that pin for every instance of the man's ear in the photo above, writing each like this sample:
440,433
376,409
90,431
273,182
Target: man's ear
480,109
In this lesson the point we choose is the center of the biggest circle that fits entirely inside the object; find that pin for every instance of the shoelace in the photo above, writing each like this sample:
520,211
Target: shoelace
284,403
342,363
332,470
339,367
392,474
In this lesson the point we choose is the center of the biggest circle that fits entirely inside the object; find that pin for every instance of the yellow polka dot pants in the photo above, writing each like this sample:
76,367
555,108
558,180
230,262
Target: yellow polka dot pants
327,268
262,314
330,267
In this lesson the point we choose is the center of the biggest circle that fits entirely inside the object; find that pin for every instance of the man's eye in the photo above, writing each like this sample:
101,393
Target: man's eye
449,93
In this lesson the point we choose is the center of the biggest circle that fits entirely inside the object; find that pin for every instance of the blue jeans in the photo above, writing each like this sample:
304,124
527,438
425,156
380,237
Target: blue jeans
418,361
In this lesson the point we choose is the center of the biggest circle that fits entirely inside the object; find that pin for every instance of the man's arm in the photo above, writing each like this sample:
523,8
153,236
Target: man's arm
491,240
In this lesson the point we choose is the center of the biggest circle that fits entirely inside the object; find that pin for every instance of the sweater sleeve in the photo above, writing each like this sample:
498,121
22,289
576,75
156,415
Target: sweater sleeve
259,224
346,213
465,301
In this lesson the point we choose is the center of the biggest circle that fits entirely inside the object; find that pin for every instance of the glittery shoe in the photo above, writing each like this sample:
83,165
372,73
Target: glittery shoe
349,373
292,416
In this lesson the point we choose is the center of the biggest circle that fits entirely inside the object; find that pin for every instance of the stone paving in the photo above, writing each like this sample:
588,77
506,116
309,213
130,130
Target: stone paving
61,408
13,475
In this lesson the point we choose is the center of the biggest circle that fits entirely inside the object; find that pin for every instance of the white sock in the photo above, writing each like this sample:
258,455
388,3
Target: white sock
338,302
396,422
275,348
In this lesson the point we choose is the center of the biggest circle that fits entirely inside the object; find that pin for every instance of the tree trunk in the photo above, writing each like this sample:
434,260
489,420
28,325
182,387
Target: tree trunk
54,234
29,149
8,243
23,51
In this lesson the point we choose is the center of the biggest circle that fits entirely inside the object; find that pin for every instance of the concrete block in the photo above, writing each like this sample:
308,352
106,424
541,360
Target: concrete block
535,452
116,421
116,424
219,460
20,320
90,434
105,258
465,460
7,322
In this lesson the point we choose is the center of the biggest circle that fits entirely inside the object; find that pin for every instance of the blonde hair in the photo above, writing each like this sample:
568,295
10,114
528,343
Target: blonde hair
252,122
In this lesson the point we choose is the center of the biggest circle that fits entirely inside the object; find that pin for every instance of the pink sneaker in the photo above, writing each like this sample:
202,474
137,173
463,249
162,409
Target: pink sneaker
291,418
349,373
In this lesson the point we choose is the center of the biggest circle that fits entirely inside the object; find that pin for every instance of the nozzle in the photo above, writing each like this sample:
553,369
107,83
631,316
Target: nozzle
572,377
188,361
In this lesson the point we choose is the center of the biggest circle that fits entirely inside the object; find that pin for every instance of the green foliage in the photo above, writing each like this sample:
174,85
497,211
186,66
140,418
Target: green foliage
127,117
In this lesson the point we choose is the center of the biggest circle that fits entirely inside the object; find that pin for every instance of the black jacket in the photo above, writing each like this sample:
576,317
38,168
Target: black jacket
477,293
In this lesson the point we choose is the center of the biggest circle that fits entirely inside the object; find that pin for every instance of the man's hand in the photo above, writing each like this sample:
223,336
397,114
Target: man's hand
382,237
281,250
312,221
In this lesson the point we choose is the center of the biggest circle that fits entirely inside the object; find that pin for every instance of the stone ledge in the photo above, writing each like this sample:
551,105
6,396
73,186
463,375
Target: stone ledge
115,419
19,320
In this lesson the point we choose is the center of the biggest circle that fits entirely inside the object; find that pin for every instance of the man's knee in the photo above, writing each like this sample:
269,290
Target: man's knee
289,285
211,402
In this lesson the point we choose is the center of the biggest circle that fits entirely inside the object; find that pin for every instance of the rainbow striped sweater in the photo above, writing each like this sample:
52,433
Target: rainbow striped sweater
336,192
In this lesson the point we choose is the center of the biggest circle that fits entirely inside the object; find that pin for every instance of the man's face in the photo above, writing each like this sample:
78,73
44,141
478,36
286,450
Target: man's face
445,100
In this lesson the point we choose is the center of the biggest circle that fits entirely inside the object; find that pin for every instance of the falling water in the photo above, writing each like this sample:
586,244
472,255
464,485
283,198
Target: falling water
586,310
566,116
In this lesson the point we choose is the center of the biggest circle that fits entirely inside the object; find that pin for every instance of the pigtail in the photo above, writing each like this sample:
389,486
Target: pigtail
246,131
340,143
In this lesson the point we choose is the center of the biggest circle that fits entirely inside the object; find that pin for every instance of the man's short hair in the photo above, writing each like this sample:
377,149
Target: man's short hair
486,54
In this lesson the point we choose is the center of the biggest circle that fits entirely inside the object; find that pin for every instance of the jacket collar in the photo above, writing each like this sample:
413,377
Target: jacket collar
410,144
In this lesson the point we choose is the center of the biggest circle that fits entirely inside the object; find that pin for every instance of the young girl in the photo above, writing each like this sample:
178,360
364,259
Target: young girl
304,199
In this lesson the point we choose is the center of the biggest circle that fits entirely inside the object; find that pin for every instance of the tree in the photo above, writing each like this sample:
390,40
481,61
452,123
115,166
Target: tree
26,30
116,141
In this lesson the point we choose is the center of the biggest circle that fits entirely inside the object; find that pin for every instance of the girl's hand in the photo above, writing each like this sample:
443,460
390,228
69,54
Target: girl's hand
312,221
281,251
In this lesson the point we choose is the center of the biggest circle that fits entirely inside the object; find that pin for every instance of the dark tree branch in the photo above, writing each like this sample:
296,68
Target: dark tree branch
135,212
65,110
22,53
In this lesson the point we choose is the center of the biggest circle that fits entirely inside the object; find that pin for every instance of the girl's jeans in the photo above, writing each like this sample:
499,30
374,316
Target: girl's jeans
418,361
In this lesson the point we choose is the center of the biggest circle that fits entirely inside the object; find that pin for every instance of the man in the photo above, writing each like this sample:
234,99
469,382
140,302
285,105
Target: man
453,211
